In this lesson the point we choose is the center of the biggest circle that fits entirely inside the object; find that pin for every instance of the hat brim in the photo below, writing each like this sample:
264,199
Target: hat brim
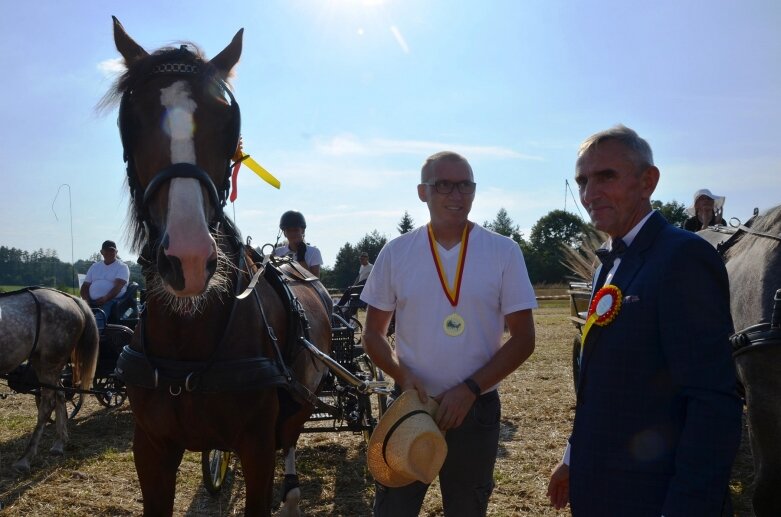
718,202
380,470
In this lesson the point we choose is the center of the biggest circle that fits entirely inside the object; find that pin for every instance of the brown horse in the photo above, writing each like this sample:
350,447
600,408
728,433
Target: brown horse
45,327
208,368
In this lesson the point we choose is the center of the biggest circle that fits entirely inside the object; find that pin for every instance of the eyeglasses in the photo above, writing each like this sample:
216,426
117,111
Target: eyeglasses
446,187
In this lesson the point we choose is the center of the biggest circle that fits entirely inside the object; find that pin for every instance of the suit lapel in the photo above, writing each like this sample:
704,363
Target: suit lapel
630,265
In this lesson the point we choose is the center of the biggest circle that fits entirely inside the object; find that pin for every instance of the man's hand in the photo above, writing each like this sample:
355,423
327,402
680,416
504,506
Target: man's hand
558,486
407,381
454,404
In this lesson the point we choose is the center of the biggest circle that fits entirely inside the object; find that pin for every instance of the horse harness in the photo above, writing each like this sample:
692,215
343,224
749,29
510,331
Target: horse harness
736,234
216,375
760,335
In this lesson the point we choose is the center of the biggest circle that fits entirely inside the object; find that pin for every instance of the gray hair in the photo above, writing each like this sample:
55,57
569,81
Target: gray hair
638,149
430,165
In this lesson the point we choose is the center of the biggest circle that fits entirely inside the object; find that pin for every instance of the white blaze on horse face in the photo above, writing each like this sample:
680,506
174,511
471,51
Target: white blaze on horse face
179,111
186,226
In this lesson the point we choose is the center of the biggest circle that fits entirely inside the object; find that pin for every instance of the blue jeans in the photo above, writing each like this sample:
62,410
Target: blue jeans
466,479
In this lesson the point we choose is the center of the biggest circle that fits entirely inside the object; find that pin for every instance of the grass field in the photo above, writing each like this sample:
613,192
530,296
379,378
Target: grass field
97,477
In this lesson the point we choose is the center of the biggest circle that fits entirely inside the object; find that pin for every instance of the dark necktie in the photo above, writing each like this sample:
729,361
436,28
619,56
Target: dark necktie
608,257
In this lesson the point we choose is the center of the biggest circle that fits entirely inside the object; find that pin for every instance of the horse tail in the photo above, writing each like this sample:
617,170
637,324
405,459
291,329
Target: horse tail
85,354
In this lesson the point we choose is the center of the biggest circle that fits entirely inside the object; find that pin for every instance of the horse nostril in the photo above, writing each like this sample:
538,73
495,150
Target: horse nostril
170,269
211,266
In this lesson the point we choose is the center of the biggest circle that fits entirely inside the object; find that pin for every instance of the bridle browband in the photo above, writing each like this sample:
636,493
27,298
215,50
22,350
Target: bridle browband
176,65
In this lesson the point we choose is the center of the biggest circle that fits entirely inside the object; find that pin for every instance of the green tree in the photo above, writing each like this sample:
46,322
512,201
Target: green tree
327,276
547,235
346,267
674,212
406,224
504,225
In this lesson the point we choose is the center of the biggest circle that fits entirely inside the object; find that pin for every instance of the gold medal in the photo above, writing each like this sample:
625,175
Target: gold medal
454,325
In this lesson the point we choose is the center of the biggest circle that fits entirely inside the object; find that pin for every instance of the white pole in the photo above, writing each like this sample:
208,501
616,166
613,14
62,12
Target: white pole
70,214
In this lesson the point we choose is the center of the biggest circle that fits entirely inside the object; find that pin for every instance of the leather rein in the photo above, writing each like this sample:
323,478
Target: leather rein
212,375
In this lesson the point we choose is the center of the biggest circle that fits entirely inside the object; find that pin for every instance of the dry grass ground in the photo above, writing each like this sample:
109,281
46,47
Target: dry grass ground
97,477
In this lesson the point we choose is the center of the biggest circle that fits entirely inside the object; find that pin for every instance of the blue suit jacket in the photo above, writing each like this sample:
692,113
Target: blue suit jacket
658,420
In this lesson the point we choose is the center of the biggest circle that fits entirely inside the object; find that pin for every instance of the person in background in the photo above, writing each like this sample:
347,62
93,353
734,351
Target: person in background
657,415
360,280
293,226
364,270
106,281
453,286
706,210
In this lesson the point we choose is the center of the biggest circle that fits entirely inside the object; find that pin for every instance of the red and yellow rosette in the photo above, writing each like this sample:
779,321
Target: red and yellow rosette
603,309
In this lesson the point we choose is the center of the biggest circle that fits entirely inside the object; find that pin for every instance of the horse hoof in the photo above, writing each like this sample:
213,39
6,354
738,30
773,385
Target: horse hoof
290,505
57,451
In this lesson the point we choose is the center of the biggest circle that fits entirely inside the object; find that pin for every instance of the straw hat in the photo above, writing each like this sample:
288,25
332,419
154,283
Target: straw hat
407,445
718,201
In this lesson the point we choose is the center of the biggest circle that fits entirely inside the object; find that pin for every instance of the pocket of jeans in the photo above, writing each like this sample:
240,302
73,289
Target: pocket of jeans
487,411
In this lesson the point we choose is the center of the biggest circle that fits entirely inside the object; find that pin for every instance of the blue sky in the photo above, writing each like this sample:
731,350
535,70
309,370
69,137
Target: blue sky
342,100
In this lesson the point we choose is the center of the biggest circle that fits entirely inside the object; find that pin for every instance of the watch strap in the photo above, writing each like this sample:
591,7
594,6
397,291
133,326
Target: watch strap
473,386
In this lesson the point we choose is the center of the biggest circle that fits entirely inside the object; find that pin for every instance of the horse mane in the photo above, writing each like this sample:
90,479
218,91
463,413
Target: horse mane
768,221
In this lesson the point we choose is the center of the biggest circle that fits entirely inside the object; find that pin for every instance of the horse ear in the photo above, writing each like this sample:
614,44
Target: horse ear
227,59
129,49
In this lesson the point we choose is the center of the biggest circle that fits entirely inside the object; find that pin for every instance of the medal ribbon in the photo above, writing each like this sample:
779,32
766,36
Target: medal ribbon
455,292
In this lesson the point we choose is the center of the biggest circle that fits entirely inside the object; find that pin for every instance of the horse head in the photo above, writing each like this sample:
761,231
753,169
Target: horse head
179,125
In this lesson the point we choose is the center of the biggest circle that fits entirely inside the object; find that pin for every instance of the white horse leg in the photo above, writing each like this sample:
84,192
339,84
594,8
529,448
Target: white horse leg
61,423
44,411
291,493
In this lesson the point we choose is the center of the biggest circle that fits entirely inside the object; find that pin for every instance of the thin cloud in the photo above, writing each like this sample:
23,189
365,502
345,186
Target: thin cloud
399,39
347,145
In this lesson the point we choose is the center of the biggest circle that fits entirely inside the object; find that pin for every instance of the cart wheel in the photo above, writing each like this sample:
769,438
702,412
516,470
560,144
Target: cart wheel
576,362
357,327
112,390
73,404
214,467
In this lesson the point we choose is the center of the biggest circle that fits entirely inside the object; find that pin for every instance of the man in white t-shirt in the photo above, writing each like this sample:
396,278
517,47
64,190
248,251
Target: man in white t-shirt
357,287
293,226
106,281
453,286
365,269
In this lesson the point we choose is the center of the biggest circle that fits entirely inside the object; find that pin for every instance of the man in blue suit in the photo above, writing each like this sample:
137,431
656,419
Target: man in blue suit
657,421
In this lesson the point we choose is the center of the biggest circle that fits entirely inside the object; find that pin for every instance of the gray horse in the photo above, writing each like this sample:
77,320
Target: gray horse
44,326
753,257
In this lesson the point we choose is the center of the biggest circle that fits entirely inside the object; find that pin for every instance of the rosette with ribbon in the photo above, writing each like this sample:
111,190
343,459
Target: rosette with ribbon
603,309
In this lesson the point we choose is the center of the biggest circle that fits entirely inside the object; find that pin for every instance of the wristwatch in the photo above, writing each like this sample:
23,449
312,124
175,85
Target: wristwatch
473,386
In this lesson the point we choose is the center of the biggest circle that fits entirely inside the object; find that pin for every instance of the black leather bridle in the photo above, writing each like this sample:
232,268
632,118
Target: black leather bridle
179,62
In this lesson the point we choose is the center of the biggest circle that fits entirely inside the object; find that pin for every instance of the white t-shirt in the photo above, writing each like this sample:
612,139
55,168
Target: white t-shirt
312,256
363,272
101,278
495,283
